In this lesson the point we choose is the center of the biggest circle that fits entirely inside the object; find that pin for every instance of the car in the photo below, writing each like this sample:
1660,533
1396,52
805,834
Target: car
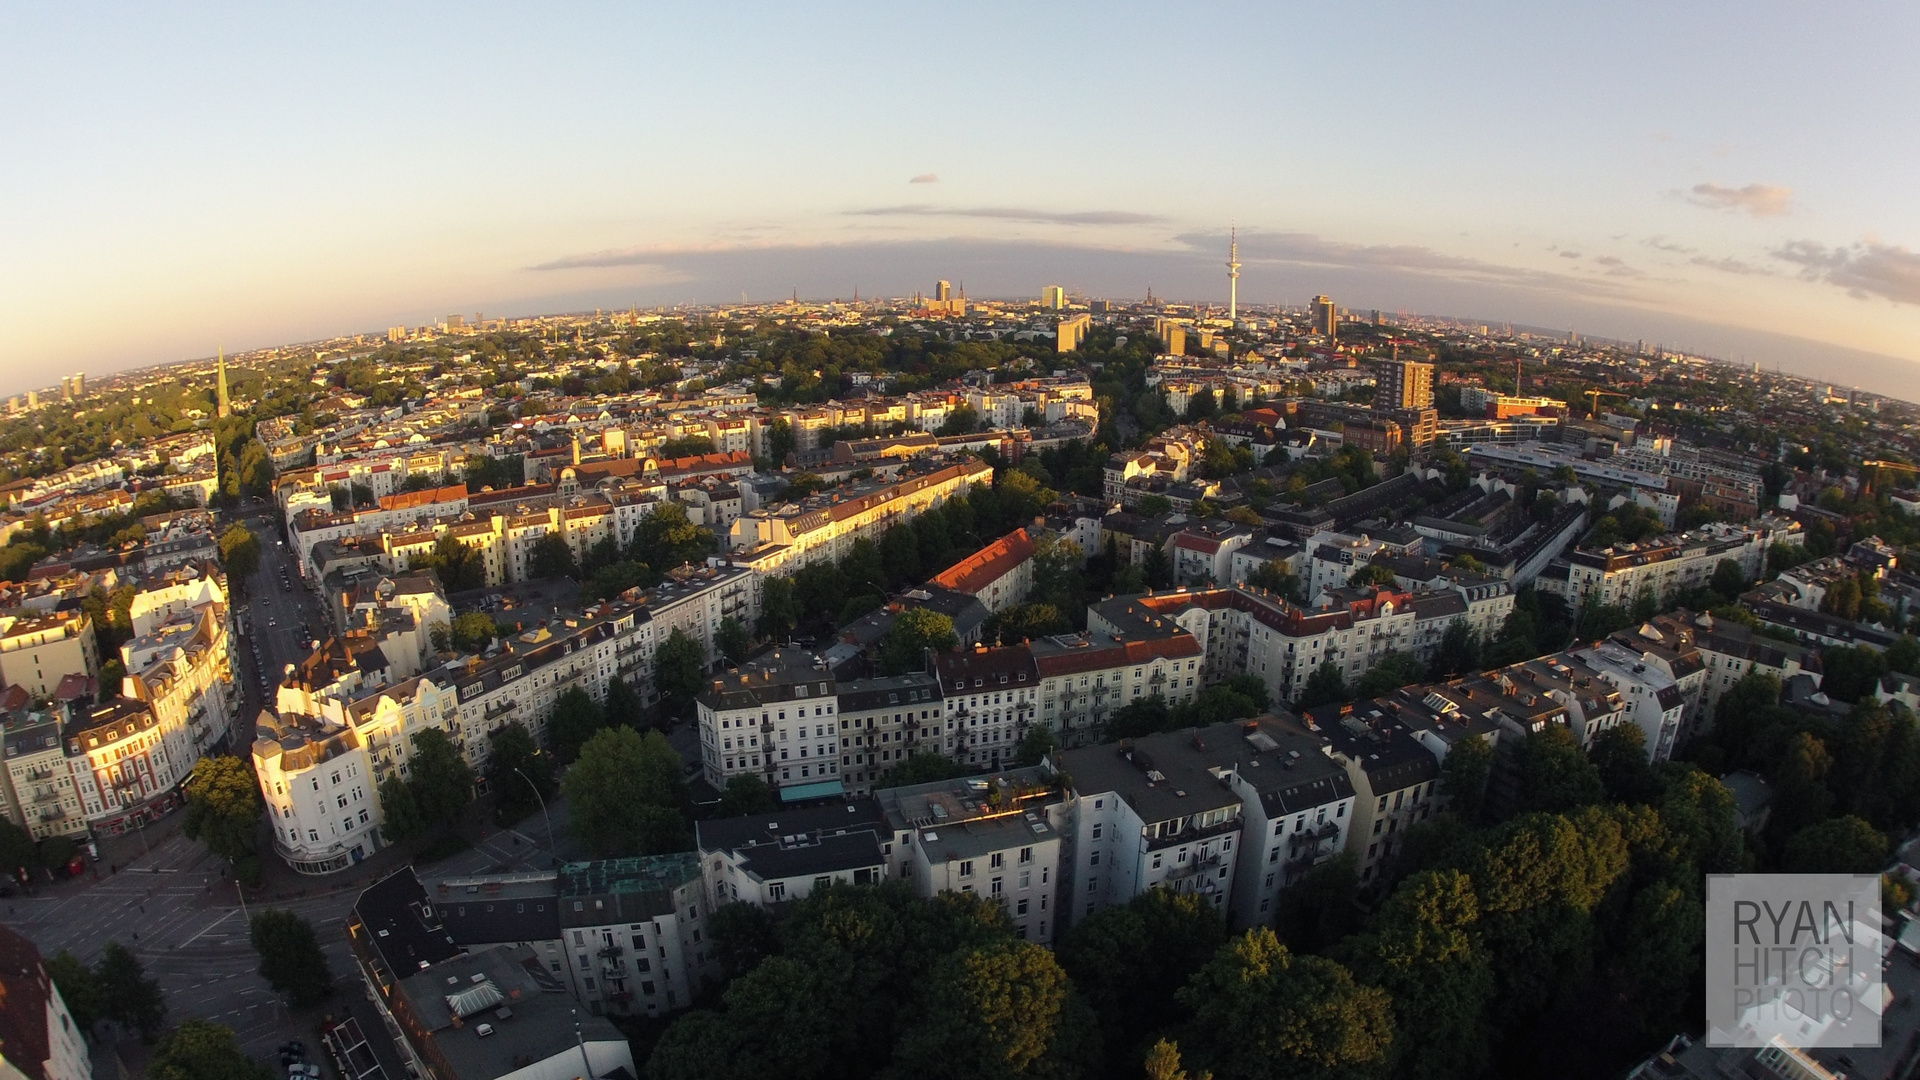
293,1046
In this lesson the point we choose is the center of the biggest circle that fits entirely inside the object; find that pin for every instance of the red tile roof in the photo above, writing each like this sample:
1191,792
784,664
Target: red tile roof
974,573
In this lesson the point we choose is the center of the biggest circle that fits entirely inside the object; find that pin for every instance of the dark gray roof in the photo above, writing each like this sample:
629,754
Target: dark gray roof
492,911
798,843
610,891
401,924
533,1019
1180,760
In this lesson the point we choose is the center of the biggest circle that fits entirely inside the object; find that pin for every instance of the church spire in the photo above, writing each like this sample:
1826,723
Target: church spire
225,406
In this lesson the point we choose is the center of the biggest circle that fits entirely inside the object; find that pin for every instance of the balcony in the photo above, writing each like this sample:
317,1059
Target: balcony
1194,866
53,813
613,969
612,950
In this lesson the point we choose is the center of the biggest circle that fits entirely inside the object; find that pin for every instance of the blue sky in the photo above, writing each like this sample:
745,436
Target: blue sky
1732,177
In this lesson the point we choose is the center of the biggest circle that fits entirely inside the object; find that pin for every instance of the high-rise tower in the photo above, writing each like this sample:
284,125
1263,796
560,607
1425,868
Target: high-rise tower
1233,275
224,407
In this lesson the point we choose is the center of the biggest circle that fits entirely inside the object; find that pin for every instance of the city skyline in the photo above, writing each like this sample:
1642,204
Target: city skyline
1495,164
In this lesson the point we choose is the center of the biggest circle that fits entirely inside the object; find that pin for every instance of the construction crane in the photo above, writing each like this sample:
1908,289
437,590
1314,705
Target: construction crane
1867,486
1593,400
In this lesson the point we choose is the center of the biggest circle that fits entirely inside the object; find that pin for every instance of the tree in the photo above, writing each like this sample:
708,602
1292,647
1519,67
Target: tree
473,631
900,555
1459,650
914,631
624,795
667,538
1153,506
551,558
993,1011
290,956
1851,672
779,609
239,551
961,420
576,718
1464,774
460,567
1729,581
17,852
1201,404
223,806
1392,671
1274,576
730,639
1555,775
1842,845
747,794
399,813
518,774
1324,687
1319,909
203,1050
1131,960
1619,755
1163,1063
680,665
127,996
920,767
1035,745
623,708
1424,950
79,988
438,777
1371,574
1262,1013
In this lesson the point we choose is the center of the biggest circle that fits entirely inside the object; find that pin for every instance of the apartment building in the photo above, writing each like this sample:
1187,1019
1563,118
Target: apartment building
38,650
992,696
782,537
1663,567
886,720
182,671
1396,779
999,575
1296,807
458,1015
777,719
1085,677
127,764
768,859
1150,813
997,836
39,1037
635,933
320,790
41,794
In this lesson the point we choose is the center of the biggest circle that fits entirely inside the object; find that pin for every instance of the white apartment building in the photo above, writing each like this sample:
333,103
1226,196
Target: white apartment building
321,792
997,836
768,540
776,719
42,797
1086,677
38,650
1296,807
992,696
769,859
1148,814
886,720
635,933
1666,566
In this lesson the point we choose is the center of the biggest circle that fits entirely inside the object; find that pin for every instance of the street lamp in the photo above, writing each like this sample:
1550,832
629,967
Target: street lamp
543,812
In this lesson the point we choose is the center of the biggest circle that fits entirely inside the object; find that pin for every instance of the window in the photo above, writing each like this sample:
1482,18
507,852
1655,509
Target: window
1096,830
966,868
996,860
777,891
998,886
1026,855
1094,859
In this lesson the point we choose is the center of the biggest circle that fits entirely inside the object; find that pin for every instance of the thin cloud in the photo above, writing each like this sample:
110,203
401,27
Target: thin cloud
1306,249
925,178
1731,265
1012,213
1569,254
1661,243
1758,200
1864,270
1618,267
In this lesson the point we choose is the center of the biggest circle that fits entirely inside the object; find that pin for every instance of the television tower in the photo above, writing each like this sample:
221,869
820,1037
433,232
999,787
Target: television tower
1233,275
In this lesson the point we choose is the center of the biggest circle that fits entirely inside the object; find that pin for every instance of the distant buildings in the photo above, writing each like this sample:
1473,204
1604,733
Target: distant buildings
1325,317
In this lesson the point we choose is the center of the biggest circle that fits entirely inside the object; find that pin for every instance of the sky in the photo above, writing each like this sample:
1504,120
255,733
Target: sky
1741,179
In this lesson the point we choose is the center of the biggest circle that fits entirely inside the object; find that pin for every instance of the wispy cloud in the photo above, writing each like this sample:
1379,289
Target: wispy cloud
1758,200
1012,213
925,178
1731,265
1661,243
1569,254
1865,269
1306,249
1618,267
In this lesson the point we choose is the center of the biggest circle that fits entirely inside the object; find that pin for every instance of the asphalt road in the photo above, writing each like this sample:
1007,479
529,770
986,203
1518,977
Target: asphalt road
277,625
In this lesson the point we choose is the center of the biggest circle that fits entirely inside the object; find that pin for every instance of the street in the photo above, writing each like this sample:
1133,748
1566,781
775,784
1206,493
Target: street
275,627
